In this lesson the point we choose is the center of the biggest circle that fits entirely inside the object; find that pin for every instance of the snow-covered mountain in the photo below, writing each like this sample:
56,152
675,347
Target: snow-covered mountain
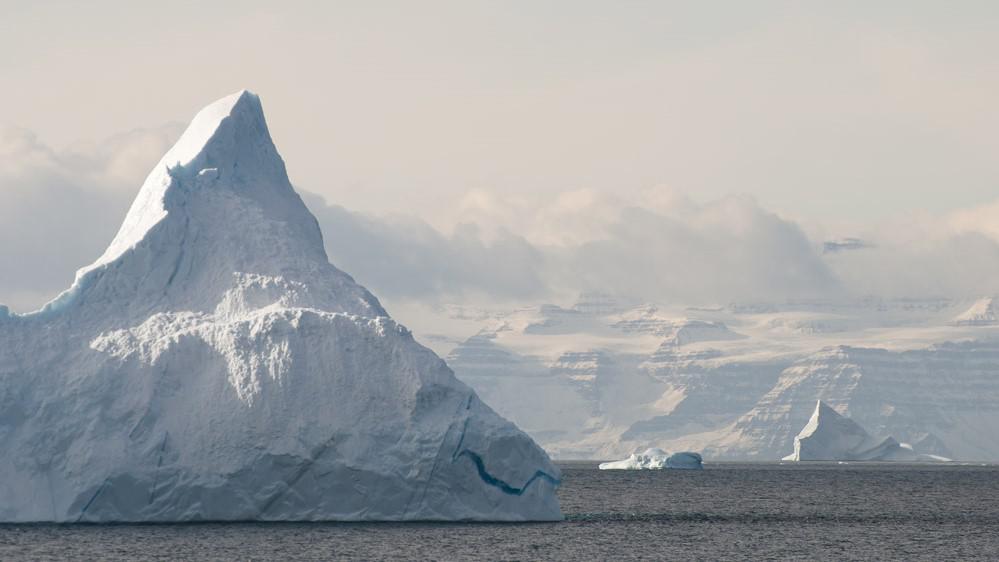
213,365
982,313
734,382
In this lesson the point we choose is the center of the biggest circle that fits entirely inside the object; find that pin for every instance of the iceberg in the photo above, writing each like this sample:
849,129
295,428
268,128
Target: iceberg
213,365
651,458
656,459
685,460
829,436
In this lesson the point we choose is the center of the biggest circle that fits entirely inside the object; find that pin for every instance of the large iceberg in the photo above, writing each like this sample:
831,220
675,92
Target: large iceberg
656,459
829,436
213,365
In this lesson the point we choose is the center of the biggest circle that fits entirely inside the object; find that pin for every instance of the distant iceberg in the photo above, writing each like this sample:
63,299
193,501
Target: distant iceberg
829,436
656,459
685,460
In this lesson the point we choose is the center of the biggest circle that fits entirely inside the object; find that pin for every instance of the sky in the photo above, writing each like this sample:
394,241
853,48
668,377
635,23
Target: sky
517,150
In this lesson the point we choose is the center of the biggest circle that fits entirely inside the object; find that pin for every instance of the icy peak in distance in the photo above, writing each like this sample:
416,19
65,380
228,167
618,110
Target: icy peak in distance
830,436
984,312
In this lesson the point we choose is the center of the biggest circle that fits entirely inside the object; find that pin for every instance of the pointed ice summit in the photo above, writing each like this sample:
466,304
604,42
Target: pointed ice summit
830,436
213,365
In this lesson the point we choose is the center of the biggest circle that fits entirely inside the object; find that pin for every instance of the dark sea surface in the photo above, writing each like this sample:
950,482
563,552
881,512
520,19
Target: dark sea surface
728,511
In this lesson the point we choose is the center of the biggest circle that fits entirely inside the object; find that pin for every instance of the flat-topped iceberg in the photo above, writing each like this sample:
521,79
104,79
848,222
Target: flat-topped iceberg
830,436
656,459
213,365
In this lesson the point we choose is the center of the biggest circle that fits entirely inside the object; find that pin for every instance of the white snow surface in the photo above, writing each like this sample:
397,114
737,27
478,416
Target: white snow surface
829,436
213,365
652,458
609,380
656,459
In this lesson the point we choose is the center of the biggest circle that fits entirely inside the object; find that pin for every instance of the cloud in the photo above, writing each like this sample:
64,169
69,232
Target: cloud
403,257
60,208
660,246
665,249
729,249
955,255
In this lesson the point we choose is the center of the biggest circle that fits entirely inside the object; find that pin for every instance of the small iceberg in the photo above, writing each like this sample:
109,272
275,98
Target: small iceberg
657,459
830,436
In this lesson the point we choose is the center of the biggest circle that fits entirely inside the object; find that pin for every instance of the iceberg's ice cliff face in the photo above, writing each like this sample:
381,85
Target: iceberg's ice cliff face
685,460
829,436
212,365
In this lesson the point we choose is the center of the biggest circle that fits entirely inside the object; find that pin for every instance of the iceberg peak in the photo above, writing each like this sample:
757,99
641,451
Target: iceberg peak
228,140
822,413
242,109
218,205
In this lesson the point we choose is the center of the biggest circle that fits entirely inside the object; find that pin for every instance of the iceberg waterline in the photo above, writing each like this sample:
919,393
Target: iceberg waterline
213,365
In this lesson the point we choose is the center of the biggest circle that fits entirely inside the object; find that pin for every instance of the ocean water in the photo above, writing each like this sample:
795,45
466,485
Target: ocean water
728,511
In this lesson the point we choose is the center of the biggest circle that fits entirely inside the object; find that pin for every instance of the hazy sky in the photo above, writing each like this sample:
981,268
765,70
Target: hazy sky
819,109
557,124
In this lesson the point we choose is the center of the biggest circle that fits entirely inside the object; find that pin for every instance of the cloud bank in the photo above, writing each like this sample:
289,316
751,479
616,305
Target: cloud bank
59,209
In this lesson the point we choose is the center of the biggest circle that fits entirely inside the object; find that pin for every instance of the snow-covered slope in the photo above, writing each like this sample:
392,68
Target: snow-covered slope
829,436
942,398
212,365
982,313
740,381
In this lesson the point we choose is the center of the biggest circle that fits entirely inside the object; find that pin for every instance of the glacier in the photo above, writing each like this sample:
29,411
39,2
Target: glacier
610,375
213,365
830,436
